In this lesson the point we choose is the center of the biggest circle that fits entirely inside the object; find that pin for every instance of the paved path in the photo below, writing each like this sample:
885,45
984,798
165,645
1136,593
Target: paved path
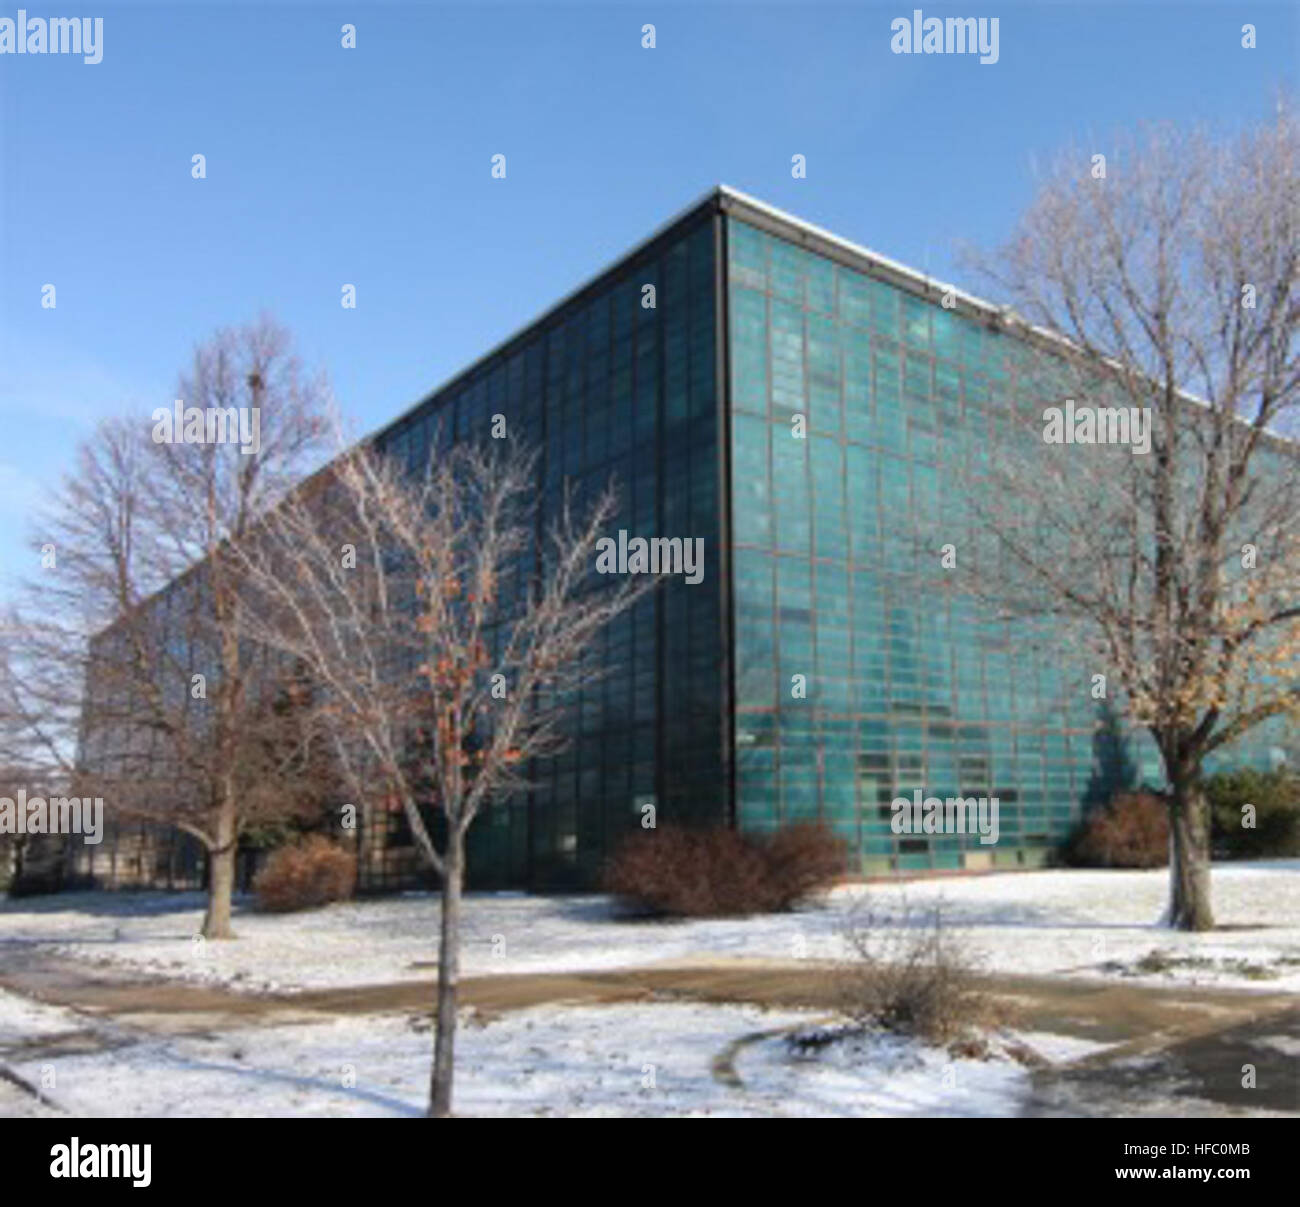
1245,1068
1184,1044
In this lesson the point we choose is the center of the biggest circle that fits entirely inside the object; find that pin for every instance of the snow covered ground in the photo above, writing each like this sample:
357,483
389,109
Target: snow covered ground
1065,922
623,1060
639,1059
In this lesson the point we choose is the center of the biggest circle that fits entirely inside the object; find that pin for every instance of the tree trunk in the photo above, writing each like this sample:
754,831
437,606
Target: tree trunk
1189,857
221,876
444,1046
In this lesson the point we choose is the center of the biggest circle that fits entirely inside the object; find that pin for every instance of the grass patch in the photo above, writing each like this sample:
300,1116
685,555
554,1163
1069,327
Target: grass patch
1165,963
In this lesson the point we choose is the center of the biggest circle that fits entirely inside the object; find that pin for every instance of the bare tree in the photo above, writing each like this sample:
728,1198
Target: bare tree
1166,284
129,663
448,643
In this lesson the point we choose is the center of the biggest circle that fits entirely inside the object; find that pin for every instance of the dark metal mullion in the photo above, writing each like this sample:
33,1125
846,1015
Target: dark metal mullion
773,553
539,545
661,660
726,601
579,743
611,344
850,563
634,639
812,542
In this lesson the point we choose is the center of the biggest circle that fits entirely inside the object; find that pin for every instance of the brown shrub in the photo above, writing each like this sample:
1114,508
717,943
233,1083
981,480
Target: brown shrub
308,874
720,871
804,859
1132,831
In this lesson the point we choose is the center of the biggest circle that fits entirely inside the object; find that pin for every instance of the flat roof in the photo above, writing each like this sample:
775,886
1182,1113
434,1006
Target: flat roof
734,201
725,199
706,202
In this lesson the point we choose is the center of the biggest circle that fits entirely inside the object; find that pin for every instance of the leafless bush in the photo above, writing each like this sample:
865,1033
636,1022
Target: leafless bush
912,974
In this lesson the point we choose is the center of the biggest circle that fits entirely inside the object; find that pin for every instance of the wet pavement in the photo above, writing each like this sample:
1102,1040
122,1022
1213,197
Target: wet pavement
1247,1068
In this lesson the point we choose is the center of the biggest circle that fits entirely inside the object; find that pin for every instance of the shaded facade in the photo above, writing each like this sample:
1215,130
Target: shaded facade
607,389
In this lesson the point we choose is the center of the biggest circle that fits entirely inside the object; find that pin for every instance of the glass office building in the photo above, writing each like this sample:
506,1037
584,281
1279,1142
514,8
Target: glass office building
805,676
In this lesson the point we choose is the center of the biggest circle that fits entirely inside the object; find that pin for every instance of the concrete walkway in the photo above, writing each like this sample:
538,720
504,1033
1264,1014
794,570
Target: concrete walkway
1176,1043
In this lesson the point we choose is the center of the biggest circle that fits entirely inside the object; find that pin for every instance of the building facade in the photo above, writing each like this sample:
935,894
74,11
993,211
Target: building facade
804,677
688,404
608,390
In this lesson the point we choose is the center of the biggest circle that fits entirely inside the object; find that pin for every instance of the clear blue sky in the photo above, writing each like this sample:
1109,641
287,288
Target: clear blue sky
371,166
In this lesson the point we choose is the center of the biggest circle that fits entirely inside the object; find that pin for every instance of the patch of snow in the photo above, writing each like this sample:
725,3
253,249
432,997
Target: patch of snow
22,1019
1061,1049
1288,1045
17,1103
1058,922
615,1060
880,1075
